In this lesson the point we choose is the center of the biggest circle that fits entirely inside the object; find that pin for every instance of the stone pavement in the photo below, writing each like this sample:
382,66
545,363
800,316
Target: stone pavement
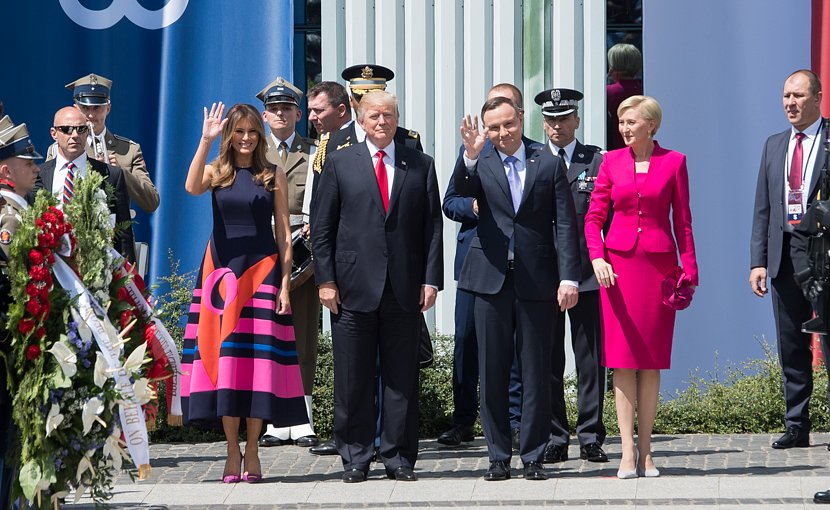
697,471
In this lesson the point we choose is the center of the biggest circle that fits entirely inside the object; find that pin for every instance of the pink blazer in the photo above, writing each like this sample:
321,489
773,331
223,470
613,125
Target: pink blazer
642,215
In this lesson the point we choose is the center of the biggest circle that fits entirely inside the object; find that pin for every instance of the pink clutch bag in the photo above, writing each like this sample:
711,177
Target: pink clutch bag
678,290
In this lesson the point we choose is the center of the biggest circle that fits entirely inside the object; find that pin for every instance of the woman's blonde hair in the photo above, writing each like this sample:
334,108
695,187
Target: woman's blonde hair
648,106
225,166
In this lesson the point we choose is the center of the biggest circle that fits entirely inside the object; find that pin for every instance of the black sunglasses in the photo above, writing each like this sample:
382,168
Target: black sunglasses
67,130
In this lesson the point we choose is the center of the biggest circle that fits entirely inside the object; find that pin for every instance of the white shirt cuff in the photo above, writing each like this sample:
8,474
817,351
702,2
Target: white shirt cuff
569,282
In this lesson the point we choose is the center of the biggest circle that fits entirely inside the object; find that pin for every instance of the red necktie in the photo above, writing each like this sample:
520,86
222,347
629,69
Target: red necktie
383,182
796,167
69,183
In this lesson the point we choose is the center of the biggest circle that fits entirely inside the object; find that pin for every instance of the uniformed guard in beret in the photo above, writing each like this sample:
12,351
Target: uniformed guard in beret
560,108
291,152
92,97
18,172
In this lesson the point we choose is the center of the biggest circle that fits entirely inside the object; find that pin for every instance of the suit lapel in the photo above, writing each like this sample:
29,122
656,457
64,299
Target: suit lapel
819,164
493,164
47,174
778,177
577,166
531,171
400,176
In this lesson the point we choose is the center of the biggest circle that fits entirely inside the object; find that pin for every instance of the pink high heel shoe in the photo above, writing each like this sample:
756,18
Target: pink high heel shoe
233,478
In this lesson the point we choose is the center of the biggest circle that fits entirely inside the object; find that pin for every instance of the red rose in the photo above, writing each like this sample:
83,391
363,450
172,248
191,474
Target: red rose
49,217
126,317
157,370
33,307
150,333
40,223
31,289
38,273
35,257
50,259
44,311
26,326
43,293
40,332
32,352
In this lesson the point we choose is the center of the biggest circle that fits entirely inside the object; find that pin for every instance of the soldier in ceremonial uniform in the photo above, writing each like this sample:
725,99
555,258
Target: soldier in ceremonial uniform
560,108
290,151
18,173
92,98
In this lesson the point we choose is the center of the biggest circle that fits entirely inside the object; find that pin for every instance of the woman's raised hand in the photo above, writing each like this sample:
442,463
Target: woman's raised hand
213,124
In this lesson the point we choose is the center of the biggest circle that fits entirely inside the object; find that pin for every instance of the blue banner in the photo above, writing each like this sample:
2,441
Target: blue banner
167,59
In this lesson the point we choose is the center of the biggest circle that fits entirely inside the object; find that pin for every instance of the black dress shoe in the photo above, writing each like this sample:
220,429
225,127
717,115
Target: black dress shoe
327,448
535,471
354,476
499,470
555,453
822,497
516,435
592,452
402,474
273,441
792,438
307,441
456,435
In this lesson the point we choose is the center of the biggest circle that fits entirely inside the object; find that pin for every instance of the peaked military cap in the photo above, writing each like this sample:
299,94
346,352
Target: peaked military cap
280,91
92,89
558,102
15,141
363,78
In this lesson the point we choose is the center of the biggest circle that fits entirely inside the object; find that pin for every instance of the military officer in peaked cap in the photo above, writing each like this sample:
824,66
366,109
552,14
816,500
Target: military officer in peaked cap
560,108
18,172
290,151
92,97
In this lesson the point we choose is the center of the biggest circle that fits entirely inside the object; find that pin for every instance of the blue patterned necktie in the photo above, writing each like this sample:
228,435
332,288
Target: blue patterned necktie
514,180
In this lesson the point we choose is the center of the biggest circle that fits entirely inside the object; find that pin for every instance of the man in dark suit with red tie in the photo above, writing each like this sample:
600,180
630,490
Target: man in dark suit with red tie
517,273
780,203
377,241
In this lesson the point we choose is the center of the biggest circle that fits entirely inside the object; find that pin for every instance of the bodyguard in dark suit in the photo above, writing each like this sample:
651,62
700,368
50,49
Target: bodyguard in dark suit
376,234
779,206
561,120
512,269
70,131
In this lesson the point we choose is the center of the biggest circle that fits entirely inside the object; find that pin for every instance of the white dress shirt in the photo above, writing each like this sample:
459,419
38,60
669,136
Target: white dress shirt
521,156
60,173
288,142
388,162
810,147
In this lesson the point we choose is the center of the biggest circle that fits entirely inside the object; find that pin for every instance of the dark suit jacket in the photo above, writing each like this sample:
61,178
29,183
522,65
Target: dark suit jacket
460,209
119,204
356,245
585,159
809,225
767,241
546,200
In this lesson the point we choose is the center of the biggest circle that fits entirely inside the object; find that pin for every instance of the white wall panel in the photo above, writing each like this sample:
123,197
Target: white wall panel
360,32
507,42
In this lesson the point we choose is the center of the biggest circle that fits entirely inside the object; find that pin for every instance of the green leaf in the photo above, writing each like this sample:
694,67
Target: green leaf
59,380
29,478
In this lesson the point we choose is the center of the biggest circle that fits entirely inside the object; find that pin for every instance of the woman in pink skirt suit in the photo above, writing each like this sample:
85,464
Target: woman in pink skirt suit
649,189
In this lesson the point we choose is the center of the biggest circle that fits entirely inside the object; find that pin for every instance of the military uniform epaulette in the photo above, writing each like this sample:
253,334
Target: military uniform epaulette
413,134
124,139
310,141
594,148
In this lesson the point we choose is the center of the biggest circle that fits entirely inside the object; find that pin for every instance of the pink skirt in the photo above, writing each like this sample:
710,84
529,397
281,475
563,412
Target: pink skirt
637,328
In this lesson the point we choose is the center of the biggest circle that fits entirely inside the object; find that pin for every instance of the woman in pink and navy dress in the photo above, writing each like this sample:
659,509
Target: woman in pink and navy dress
239,356
652,222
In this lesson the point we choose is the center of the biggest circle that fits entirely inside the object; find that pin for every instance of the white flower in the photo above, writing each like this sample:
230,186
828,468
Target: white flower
101,370
92,409
143,392
66,358
113,450
84,465
53,419
135,359
83,328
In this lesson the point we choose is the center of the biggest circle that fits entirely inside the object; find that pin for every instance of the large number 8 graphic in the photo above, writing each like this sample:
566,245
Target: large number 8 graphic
131,9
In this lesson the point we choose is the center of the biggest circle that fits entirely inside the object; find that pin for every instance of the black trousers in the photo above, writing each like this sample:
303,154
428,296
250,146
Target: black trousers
586,340
791,310
359,339
499,319
465,361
